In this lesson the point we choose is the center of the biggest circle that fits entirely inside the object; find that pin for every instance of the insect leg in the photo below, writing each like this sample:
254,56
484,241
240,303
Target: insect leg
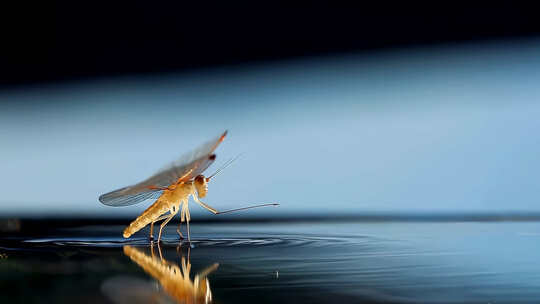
172,214
208,270
160,254
187,222
152,225
186,267
179,225
215,211
178,229
185,213
159,250
205,206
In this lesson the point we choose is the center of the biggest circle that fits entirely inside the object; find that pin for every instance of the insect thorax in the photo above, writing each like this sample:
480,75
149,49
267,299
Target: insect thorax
178,194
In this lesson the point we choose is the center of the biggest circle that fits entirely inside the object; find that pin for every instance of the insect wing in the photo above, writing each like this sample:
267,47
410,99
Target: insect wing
128,196
184,169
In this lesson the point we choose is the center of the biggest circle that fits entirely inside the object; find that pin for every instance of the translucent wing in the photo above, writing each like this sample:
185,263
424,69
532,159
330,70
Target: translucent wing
186,168
127,196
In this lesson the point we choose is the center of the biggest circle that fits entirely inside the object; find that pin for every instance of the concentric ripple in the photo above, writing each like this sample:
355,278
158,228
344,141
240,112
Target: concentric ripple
274,241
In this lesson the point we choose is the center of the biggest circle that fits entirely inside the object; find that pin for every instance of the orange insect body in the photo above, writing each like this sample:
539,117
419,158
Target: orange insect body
170,200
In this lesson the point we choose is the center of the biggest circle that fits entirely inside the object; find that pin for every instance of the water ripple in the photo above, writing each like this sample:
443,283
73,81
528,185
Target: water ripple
273,241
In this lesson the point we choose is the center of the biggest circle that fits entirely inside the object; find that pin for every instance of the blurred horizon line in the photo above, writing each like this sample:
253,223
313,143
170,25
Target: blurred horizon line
367,216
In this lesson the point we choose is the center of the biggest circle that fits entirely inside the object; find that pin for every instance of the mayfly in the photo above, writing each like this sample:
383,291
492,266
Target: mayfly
172,187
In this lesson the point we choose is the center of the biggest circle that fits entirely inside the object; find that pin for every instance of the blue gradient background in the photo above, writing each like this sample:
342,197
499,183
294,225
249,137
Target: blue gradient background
435,129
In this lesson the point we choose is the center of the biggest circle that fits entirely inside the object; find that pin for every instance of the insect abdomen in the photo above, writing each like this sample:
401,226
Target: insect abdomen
150,214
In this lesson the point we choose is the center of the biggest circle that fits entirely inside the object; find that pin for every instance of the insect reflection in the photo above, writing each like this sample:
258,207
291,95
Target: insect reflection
173,279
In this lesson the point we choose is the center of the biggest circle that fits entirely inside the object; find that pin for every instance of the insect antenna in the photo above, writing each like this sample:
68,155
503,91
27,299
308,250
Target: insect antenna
225,165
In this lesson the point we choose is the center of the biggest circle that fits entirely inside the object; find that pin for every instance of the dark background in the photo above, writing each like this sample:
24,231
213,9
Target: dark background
70,40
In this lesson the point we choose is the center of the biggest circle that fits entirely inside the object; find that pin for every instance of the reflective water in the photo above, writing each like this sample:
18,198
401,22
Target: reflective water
311,262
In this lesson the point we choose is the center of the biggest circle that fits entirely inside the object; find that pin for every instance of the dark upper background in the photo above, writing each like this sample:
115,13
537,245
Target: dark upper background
66,40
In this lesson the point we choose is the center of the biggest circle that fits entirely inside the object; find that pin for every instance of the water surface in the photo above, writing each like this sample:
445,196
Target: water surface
310,262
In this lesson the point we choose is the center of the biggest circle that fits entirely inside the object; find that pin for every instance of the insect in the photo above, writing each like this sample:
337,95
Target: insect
172,187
